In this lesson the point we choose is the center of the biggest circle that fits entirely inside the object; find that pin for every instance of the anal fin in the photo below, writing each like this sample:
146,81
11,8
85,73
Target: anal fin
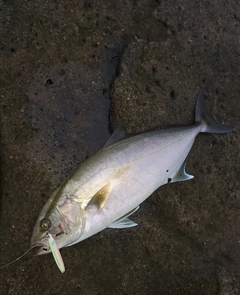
181,175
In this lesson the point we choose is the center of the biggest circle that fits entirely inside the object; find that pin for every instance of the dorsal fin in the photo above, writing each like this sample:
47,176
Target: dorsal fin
118,134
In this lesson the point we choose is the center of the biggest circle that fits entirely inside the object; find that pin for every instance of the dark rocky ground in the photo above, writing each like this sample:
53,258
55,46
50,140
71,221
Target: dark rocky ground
68,68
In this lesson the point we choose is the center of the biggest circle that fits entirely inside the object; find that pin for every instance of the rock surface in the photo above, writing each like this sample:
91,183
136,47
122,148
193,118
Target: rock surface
71,73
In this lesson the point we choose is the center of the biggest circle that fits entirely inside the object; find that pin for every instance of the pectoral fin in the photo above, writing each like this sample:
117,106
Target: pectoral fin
98,200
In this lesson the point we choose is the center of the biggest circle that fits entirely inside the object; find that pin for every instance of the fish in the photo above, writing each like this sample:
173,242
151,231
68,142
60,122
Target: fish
110,185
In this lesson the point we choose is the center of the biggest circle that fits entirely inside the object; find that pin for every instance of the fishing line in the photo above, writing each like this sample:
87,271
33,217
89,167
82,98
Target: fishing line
18,257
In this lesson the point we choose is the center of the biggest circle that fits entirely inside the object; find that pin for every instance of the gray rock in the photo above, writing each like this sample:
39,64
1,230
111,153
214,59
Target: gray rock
62,66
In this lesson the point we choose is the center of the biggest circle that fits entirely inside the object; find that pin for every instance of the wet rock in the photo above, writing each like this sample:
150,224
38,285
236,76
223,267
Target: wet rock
62,65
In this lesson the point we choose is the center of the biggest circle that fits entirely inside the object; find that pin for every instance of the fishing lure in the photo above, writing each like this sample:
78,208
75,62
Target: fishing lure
56,253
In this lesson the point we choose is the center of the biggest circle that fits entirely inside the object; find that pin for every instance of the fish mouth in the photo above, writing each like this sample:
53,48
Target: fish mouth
43,250
42,247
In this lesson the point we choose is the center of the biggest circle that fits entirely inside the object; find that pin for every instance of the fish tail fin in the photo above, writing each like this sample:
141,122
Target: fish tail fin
208,125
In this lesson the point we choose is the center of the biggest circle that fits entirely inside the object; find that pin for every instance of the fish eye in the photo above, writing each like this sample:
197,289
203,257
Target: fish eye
45,224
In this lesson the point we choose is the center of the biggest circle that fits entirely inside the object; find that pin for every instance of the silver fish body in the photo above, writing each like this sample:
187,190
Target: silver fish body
134,168
110,185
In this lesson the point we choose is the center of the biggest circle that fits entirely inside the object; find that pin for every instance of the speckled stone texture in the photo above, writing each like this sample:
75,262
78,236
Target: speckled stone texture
71,72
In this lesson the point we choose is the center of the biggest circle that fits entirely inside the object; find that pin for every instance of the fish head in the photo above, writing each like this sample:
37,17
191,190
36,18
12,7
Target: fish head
65,221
